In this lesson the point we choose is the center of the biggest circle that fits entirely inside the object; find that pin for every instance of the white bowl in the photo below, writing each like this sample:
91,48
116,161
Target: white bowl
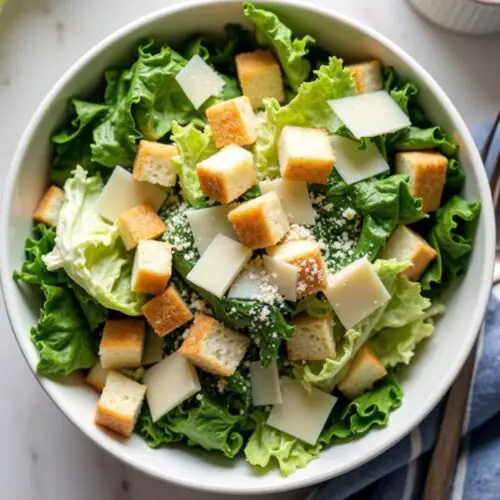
432,372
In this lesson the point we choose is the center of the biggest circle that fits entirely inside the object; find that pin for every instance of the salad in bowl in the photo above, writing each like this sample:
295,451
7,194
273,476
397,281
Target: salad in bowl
245,242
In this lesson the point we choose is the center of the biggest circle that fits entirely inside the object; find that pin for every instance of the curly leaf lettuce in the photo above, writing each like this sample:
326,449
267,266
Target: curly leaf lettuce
452,238
370,410
309,108
291,52
268,446
90,249
194,145
64,335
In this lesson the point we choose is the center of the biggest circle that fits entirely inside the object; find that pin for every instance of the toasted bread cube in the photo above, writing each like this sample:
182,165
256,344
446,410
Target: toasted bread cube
406,245
305,154
167,311
364,371
120,404
427,171
368,76
49,207
214,348
153,163
227,174
140,223
260,222
306,255
260,77
312,339
233,122
152,266
122,343
96,377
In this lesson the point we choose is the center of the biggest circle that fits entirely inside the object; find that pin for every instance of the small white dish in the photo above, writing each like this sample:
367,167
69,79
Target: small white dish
429,376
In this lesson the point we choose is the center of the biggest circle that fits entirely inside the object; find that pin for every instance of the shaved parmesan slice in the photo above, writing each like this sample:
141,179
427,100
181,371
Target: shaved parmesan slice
199,81
354,164
153,348
169,383
282,275
265,384
302,413
294,198
368,115
218,267
207,223
355,292
122,192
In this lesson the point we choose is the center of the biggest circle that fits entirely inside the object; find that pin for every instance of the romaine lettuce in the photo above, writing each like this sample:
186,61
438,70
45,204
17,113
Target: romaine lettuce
90,249
291,52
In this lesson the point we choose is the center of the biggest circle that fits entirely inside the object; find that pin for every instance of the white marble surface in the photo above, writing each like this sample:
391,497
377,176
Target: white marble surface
43,456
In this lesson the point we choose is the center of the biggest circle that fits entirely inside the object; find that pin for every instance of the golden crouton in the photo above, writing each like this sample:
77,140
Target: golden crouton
305,154
407,246
260,222
120,404
427,170
213,347
233,122
152,266
153,163
260,77
167,311
49,207
139,223
368,76
96,377
122,343
306,255
227,174
312,339
364,371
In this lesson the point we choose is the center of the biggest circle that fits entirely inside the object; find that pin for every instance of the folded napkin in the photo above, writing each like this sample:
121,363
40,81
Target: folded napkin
399,473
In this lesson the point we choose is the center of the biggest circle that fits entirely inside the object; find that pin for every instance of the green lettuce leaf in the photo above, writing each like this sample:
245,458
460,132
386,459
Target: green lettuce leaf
309,108
313,305
90,249
326,374
370,410
268,446
414,138
291,52
194,145
62,335
452,238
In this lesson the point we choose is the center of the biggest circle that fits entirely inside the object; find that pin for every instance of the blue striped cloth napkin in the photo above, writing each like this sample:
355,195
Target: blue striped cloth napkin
399,473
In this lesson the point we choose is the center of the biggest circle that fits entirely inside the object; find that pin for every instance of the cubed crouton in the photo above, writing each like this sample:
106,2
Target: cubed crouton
49,207
167,311
153,163
227,174
406,245
233,122
96,377
368,76
306,255
260,222
120,404
260,77
305,154
122,343
427,171
364,371
312,339
214,348
139,223
152,266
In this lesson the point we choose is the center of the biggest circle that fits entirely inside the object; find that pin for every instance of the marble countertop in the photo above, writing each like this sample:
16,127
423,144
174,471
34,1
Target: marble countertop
43,456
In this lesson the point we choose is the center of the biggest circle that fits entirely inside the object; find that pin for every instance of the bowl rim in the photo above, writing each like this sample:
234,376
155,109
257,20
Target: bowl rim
487,213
